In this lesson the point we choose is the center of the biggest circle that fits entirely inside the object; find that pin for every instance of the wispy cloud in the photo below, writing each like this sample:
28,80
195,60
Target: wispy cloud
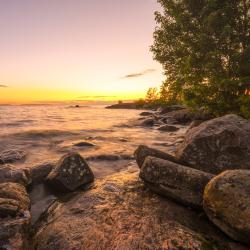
139,74
3,85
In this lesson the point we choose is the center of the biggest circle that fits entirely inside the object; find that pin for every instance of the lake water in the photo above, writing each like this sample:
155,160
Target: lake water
46,132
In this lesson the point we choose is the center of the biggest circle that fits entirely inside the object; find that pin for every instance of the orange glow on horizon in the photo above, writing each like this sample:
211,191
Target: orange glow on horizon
22,96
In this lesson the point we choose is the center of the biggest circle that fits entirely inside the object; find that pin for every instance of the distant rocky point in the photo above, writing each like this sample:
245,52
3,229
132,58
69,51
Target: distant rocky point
121,105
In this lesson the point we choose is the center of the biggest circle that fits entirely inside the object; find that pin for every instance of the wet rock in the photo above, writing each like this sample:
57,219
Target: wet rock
217,145
168,128
170,108
14,233
227,203
146,113
168,120
70,173
149,122
11,156
8,173
120,213
194,124
84,144
39,173
41,199
143,151
15,195
15,216
183,116
175,181
8,207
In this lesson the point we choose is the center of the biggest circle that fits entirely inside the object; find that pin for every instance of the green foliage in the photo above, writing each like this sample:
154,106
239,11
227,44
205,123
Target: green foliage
204,47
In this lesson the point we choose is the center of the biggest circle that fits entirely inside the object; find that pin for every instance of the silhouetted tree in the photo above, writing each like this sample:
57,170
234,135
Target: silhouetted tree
152,95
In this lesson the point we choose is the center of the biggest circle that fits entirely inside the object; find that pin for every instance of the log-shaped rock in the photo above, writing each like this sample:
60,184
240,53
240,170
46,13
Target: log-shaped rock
175,181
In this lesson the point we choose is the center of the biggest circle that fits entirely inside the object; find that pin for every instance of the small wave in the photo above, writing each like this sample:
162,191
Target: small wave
37,134
109,157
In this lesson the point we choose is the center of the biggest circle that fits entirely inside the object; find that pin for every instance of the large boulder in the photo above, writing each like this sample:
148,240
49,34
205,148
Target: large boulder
178,182
120,213
143,151
227,203
71,172
217,145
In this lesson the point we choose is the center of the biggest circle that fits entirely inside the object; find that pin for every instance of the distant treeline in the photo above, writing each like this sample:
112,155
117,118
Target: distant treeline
204,48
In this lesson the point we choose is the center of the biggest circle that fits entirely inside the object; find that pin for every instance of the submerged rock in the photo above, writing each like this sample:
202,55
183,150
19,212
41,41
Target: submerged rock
143,151
217,145
227,203
119,213
168,128
11,156
84,144
71,172
175,181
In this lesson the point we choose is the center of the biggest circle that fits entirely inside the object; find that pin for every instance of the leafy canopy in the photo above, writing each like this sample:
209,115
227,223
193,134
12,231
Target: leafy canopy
204,47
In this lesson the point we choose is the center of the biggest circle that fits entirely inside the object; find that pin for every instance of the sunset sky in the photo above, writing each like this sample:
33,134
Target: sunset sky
55,50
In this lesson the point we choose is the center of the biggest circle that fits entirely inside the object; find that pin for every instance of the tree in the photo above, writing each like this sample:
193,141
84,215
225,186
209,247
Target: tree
204,47
152,95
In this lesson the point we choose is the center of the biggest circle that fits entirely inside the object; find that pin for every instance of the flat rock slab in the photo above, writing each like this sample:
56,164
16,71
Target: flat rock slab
227,203
120,213
180,183
71,172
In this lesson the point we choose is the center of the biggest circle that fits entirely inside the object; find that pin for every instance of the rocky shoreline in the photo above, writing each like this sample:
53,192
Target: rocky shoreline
197,198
